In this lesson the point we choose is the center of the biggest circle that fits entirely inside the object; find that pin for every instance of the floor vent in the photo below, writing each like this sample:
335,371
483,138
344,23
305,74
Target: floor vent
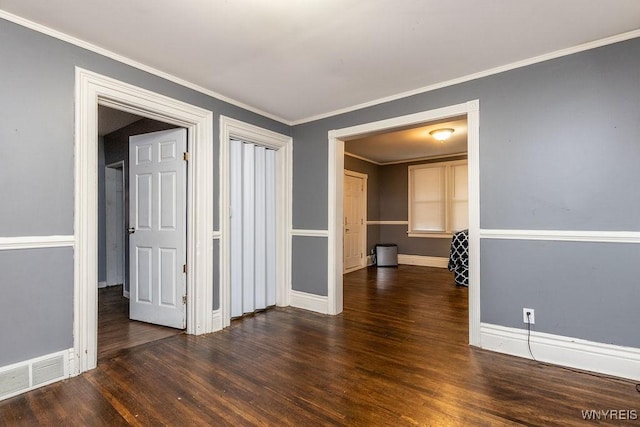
14,381
47,370
24,376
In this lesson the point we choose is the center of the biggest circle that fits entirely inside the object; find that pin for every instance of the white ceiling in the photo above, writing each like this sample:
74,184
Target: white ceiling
410,144
301,59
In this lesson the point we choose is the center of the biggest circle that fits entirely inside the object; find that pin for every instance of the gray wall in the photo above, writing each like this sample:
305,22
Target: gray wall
34,281
37,78
387,200
558,151
116,148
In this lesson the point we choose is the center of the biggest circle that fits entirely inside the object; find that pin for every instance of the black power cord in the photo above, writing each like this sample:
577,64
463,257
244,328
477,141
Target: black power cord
564,367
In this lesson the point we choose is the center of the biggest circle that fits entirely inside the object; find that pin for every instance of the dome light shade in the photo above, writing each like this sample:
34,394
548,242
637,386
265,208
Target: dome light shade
441,134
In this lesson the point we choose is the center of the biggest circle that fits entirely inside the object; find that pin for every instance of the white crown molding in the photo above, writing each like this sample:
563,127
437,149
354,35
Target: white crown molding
576,353
399,162
364,159
120,58
422,159
123,59
496,70
35,242
563,235
309,233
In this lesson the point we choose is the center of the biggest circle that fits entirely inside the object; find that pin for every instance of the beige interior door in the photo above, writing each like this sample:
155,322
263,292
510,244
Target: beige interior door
354,222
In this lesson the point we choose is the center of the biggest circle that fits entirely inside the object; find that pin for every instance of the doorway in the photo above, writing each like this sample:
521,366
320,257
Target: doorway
281,147
123,140
337,140
93,89
114,184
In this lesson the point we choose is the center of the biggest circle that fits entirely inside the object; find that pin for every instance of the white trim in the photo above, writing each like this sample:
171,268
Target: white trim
35,242
216,320
126,294
283,144
123,59
387,222
576,353
309,233
369,261
364,159
563,235
216,235
424,159
67,370
399,162
311,302
335,204
423,260
102,285
93,89
497,70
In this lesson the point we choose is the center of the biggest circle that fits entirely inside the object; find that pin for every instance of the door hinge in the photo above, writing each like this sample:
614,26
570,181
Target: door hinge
184,268
184,299
185,156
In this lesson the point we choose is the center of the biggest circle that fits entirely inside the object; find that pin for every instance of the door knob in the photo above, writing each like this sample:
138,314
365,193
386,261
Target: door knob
131,230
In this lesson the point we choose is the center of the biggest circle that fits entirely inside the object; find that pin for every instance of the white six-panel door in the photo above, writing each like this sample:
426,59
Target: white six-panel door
157,239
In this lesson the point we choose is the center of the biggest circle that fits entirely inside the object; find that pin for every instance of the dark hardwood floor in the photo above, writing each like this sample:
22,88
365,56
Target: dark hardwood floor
116,331
398,355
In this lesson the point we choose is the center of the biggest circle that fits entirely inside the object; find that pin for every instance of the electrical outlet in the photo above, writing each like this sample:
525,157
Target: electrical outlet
529,315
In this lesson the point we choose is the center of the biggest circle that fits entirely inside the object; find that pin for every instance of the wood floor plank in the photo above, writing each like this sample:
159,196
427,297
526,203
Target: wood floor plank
115,331
396,356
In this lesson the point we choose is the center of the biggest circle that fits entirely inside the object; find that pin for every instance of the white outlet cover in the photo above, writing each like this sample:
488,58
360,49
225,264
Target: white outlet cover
532,317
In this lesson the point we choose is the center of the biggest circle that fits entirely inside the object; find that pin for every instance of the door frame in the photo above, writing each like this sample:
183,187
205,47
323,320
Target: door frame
93,89
363,206
119,165
283,144
471,110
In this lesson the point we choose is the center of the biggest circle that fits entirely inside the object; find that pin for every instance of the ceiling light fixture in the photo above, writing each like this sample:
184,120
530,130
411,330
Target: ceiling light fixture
441,134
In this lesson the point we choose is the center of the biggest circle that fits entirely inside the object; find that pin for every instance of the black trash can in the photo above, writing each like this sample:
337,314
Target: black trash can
387,255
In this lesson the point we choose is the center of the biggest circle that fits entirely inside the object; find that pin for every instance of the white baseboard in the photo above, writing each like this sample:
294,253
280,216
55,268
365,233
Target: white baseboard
216,320
125,294
30,374
576,353
369,261
426,261
317,303
102,285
